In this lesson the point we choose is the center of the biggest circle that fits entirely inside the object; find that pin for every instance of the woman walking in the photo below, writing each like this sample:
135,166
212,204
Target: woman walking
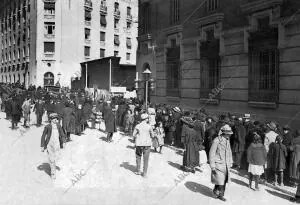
257,157
220,159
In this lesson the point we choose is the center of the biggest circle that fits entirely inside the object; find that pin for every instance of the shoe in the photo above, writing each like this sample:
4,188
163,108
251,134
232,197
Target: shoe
144,175
221,198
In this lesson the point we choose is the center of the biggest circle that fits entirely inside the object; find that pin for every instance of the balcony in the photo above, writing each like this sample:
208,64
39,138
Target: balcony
49,55
102,43
88,5
49,36
103,9
129,17
117,30
87,23
117,14
87,41
49,16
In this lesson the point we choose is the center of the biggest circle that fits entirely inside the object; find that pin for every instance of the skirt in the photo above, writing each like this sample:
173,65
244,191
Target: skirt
256,169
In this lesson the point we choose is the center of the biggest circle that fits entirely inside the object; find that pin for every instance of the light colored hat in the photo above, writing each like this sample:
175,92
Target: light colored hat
272,125
226,129
144,116
176,109
53,116
247,116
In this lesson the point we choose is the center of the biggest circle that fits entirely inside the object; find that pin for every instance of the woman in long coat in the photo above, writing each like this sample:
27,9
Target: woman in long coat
192,141
295,156
110,121
220,159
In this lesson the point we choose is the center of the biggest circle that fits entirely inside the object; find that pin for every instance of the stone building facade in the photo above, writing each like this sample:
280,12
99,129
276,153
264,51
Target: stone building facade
224,55
44,41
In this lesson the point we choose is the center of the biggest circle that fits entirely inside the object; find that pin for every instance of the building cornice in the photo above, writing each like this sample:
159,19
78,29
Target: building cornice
213,18
256,6
173,29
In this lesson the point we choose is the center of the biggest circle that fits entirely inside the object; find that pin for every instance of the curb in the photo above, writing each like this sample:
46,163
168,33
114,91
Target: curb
246,176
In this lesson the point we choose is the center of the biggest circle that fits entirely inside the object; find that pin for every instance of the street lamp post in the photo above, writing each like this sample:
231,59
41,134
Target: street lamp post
147,78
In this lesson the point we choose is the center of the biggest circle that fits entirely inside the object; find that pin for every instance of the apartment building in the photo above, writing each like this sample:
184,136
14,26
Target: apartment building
223,55
44,41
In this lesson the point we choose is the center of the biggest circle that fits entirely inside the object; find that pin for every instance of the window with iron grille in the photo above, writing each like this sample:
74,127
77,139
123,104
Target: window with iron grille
116,53
128,43
173,71
212,5
264,64
116,40
127,56
209,67
103,20
87,51
116,6
116,23
49,47
48,79
174,12
128,25
128,11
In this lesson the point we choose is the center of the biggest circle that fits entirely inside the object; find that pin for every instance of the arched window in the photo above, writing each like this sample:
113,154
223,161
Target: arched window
48,79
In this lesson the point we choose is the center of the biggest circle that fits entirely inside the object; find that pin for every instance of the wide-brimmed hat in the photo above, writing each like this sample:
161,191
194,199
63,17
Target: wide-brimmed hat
176,109
53,116
144,116
226,130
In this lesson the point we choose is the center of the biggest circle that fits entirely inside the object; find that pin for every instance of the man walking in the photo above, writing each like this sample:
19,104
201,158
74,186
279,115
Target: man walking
143,135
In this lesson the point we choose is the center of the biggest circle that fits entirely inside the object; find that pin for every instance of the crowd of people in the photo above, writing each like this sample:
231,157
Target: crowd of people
261,148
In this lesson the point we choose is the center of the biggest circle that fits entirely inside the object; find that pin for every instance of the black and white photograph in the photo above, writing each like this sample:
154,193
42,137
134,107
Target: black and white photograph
149,102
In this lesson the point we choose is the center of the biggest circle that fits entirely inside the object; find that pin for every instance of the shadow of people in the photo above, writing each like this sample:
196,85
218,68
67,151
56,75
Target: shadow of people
128,166
46,168
278,194
130,147
239,182
103,139
194,187
177,166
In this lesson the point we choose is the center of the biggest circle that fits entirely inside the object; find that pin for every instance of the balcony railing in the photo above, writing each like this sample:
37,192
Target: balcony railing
117,30
49,54
88,41
117,14
49,36
129,17
49,16
87,23
102,43
103,9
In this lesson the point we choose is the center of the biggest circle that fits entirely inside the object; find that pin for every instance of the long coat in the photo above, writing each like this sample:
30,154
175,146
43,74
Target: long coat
110,121
47,135
295,158
239,138
16,110
279,154
192,141
67,122
220,159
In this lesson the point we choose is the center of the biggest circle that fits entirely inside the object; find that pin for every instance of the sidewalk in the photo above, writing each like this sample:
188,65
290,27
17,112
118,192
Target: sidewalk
243,173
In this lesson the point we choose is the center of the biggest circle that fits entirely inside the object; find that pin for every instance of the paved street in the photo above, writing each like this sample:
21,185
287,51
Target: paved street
92,171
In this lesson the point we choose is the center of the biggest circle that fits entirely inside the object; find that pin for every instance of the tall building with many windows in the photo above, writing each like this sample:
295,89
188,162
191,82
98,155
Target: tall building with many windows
223,55
44,41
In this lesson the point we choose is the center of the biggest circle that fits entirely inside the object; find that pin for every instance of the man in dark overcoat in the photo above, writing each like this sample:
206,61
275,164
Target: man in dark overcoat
238,146
16,112
110,121
67,115
39,111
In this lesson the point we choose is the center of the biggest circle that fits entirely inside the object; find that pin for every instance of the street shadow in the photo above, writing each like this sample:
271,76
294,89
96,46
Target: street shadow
131,140
103,138
175,165
130,147
239,182
278,194
199,188
128,166
46,168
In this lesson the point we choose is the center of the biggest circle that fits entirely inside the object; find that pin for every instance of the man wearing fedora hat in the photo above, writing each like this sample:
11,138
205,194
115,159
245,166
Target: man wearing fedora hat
220,159
52,140
143,134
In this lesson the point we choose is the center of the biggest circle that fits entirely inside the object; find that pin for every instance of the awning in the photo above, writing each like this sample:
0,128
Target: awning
116,40
103,20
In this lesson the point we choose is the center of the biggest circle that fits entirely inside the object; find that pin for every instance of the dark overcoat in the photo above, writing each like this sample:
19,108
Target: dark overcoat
295,158
279,154
67,122
109,119
239,138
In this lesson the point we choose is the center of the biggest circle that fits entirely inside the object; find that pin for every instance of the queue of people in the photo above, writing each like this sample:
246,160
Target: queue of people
263,149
